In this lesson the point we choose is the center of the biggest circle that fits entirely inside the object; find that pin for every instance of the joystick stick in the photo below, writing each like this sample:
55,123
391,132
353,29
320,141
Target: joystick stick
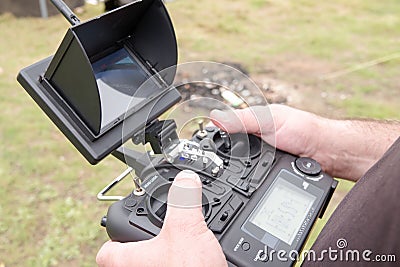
225,139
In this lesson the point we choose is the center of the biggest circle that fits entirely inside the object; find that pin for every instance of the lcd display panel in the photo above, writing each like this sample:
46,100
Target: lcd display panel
282,211
119,77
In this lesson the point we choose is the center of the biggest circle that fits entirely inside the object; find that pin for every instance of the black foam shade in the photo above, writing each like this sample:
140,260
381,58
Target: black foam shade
113,69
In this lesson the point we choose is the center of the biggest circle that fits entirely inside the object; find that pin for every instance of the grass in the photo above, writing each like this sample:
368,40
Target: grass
49,214
300,42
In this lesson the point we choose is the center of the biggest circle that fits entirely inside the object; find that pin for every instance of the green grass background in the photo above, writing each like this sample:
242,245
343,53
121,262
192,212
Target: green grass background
49,215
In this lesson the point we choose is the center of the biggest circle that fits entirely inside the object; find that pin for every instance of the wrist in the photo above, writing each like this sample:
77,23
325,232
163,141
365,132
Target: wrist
348,148
331,146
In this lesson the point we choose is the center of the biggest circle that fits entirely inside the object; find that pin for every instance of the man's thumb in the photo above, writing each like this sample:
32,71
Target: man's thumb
184,201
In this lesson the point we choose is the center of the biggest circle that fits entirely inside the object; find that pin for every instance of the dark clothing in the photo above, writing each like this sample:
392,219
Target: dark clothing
368,218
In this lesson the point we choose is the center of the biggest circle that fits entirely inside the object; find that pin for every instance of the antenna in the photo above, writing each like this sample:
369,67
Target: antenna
66,11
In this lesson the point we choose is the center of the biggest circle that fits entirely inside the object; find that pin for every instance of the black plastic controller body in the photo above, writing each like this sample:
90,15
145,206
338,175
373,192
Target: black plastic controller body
261,200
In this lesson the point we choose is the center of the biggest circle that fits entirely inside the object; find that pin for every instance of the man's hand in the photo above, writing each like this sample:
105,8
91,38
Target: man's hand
184,239
344,148
288,129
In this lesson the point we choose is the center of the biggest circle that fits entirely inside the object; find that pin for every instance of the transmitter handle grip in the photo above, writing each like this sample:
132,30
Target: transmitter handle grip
66,11
118,226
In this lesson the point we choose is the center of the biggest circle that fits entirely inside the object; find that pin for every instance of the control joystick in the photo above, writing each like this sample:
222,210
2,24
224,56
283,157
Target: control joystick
225,140
156,204
237,146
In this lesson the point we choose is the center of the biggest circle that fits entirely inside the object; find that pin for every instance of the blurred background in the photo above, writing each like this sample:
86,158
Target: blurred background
339,59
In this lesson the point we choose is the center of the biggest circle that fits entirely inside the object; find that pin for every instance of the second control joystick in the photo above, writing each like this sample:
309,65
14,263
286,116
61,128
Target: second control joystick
238,145
225,139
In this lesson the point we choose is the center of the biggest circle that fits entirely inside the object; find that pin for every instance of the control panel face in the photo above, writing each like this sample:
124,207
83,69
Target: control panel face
254,200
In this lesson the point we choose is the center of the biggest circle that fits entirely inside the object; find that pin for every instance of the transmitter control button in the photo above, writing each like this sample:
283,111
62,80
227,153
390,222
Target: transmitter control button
224,216
245,246
308,166
130,202
265,163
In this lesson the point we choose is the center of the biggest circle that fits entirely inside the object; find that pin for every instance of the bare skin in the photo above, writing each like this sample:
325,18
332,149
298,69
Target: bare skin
184,239
345,149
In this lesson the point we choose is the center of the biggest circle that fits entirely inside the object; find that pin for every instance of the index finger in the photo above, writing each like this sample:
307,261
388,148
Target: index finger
255,120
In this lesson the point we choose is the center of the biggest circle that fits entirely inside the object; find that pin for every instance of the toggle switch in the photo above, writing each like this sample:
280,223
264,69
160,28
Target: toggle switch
224,216
139,191
201,133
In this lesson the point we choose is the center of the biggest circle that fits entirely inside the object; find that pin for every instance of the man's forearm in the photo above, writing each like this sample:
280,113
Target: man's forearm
345,148
348,148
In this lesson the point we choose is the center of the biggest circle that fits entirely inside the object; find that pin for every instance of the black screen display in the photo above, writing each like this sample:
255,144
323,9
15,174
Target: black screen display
118,77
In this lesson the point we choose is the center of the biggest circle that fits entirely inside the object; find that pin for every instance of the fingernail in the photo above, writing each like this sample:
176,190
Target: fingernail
187,175
219,115
185,190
